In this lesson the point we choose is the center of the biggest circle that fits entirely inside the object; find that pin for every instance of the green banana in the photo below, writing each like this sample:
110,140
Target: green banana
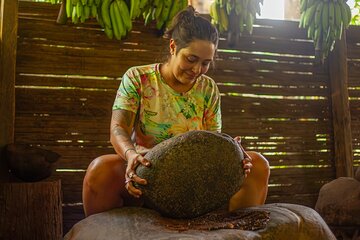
241,23
99,17
114,24
243,14
83,16
309,15
93,11
119,21
134,8
68,8
238,7
143,3
221,3
105,8
79,9
165,10
331,14
340,31
230,5
214,13
249,23
338,19
148,16
314,32
346,13
125,15
301,21
184,4
159,4
303,5
175,8
109,32
74,16
87,11
224,21
325,18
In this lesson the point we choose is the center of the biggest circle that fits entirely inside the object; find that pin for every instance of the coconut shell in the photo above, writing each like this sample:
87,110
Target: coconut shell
192,174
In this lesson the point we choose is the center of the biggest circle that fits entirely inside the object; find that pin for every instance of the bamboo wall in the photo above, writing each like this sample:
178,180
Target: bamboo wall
353,52
273,95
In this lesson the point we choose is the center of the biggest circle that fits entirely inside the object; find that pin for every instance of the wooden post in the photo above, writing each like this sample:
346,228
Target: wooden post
8,41
31,210
340,109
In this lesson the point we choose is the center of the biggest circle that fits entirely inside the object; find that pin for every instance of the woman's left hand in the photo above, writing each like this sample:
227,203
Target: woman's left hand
247,165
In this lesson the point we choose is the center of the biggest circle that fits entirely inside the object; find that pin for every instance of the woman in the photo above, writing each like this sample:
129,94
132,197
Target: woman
158,101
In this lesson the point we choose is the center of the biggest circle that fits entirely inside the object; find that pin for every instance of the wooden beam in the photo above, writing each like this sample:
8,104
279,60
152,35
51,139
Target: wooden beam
338,75
8,41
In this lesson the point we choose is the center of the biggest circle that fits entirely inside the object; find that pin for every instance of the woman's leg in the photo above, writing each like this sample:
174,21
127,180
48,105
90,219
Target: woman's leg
253,192
104,185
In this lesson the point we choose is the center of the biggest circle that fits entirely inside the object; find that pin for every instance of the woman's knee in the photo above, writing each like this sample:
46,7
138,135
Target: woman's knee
103,170
260,164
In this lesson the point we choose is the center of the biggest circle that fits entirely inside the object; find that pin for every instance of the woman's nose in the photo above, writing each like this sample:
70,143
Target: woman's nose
197,69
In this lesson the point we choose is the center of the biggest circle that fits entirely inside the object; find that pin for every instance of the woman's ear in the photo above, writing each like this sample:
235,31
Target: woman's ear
172,47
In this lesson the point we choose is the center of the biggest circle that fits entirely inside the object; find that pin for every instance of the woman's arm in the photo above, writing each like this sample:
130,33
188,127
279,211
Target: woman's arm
121,127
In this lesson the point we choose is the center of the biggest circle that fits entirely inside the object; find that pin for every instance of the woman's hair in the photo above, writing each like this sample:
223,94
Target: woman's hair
188,26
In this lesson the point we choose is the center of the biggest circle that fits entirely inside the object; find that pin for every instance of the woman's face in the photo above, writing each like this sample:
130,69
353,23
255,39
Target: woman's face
191,62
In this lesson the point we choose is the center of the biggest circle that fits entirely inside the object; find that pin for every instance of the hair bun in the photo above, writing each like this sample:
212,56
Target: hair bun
188,25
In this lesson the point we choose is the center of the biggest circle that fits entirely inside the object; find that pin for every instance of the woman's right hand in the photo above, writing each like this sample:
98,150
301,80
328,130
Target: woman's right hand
130,176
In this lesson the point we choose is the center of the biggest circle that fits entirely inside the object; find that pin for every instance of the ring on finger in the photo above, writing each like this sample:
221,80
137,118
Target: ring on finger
131,175
128,180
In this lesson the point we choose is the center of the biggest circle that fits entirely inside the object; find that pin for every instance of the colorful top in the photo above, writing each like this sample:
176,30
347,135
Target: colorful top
161,111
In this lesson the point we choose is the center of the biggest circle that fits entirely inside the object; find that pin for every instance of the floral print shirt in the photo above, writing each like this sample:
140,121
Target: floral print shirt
161,111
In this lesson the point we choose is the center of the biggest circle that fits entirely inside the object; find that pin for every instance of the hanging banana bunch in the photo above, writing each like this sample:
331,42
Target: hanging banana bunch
325,21
116,16
163,11
81,10
234,16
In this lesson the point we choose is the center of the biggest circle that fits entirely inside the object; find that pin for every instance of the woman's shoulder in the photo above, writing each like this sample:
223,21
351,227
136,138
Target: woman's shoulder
207,81
142,69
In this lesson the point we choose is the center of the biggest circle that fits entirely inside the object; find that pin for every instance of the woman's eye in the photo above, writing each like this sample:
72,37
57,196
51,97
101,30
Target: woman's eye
191,59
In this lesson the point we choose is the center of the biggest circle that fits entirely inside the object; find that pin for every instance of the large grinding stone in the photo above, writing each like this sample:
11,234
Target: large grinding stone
287,221
192,174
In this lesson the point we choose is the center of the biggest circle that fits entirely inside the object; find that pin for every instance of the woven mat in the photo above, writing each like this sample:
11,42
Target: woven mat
240,219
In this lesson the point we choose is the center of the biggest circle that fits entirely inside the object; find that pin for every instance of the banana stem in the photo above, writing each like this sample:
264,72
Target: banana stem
62,18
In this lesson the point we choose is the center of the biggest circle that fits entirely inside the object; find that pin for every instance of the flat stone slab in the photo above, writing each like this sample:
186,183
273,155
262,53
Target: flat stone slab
287,221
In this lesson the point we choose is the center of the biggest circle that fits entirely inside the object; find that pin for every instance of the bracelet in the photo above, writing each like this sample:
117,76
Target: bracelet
127,151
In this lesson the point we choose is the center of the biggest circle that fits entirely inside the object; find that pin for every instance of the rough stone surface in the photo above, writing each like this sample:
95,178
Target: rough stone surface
30,163
339,202
287,221
190,170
